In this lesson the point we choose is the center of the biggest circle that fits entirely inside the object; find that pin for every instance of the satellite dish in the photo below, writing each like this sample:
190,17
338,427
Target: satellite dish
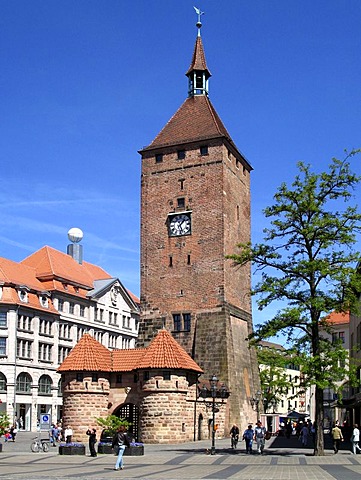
75,235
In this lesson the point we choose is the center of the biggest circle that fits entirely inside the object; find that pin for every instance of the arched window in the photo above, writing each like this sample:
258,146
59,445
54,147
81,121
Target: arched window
45,383
3,386
60,391
23,383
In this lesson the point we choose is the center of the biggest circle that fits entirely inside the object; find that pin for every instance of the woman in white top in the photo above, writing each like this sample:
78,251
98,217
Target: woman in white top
355,438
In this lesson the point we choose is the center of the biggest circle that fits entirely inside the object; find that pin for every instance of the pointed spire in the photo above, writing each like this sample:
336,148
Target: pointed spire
198,73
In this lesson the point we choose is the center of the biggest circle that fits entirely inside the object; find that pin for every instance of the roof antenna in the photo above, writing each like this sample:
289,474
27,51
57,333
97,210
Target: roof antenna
199,23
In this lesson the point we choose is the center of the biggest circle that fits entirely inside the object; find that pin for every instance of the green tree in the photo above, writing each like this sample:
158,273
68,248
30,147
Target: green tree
308,261
4,423
274,380
111,423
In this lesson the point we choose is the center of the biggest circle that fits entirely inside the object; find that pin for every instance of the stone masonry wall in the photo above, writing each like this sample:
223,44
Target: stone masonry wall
83,402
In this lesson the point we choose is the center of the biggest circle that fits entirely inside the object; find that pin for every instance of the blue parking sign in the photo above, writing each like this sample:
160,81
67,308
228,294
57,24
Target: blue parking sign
45,421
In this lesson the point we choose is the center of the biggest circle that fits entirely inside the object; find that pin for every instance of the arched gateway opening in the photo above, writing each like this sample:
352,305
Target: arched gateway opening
130,412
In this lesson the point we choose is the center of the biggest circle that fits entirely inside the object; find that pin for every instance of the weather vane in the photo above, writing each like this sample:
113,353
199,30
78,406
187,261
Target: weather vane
199,23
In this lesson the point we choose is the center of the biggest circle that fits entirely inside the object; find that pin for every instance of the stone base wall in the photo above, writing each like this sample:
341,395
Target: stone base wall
81,410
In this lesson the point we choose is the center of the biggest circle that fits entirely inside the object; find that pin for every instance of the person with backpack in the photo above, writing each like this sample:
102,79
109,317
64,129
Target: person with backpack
248,435
259,436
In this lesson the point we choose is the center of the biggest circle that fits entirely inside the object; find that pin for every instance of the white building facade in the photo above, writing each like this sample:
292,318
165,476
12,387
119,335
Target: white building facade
47,302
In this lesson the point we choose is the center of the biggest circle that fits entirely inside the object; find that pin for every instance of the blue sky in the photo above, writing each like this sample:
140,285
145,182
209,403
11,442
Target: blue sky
85,84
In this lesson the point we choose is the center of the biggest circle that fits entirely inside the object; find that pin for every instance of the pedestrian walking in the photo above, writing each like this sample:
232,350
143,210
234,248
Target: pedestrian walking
248,435
234,436
259,436
337,438
120,441
304,435
92,441
355,438
13,432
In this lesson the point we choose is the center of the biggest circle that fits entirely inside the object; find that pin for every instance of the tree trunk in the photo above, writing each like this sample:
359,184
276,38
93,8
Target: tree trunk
319,446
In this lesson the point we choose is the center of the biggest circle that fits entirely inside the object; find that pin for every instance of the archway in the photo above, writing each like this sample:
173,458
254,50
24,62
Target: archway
130,412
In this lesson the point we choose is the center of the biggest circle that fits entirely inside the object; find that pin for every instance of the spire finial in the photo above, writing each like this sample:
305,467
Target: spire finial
199,23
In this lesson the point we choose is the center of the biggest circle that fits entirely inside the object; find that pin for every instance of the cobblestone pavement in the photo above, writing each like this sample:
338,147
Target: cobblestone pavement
282,460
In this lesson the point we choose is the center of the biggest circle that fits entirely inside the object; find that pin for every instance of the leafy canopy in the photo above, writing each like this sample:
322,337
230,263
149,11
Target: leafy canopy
307,261
111,423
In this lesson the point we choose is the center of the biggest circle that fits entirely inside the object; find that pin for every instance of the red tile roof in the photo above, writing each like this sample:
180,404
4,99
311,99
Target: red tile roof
195,120
17,274
14,275
87,355
163,352
127,360
50,264
338,318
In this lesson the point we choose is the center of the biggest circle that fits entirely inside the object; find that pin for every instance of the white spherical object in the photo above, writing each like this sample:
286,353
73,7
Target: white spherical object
75,235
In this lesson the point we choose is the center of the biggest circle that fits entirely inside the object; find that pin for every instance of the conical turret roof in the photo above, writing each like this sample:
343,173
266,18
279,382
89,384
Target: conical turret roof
199,59
165,352
87,355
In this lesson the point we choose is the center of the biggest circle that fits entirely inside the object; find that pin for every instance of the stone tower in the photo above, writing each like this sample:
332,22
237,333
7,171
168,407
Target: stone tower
195,208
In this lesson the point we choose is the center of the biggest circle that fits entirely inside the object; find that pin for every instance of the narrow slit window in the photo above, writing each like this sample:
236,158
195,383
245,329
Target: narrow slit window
204,150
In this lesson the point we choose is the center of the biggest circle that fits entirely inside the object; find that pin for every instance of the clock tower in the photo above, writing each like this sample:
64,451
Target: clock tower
195,208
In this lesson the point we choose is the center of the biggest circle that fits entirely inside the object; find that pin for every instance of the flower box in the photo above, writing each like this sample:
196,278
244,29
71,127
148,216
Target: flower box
72,449
134,450
105,448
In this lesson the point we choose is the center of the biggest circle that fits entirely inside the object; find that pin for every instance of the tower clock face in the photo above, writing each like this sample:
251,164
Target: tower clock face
180,225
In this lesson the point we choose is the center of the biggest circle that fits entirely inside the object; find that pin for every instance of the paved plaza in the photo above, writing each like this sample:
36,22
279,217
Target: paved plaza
284,459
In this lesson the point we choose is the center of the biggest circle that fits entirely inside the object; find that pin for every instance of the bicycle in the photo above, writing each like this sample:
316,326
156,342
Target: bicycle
234,441
39,445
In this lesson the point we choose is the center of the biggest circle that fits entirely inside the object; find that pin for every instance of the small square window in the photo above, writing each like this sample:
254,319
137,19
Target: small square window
166,375
119,378
204,150
146,376
79,377
181,154
159,158
181,202
94,377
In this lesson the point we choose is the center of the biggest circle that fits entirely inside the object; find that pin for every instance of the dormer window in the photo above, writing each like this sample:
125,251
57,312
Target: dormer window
23,295
44,301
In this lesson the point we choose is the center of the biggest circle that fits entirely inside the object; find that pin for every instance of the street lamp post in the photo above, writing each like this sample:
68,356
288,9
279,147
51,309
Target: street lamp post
255,402
214,393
